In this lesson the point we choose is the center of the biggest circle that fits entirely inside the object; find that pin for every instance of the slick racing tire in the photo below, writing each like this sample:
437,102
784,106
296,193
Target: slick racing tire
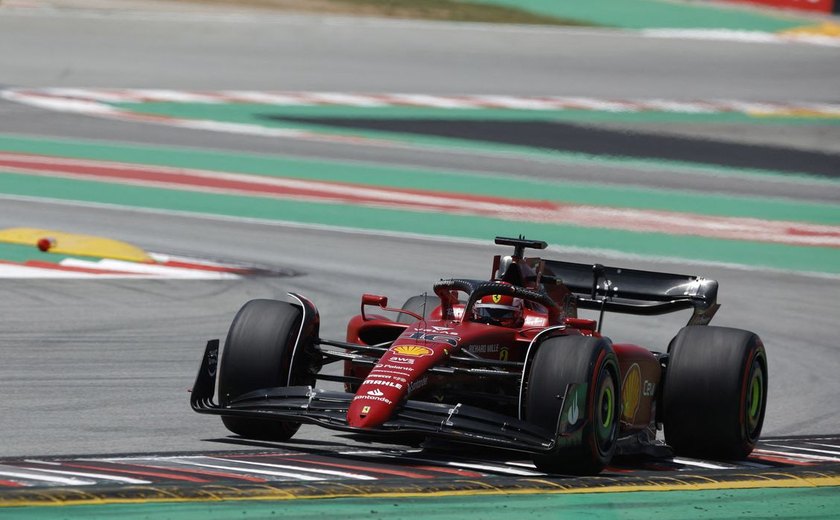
595,425
421,304
715,392
258,354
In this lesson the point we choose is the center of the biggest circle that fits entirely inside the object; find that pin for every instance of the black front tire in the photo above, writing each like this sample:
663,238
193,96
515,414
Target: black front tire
715,392
576,359
258,354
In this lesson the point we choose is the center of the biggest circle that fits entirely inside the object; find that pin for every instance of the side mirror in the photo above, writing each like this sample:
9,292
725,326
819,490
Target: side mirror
373,299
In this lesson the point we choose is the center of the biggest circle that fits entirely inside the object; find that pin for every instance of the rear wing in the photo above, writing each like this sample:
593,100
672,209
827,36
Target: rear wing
631,291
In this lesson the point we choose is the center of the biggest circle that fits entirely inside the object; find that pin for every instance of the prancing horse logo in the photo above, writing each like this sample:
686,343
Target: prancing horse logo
497,298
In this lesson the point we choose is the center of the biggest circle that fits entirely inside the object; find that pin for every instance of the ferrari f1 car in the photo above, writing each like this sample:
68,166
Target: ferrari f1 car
506,363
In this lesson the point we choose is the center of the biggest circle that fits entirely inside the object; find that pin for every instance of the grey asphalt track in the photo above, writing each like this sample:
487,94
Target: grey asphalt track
103,367
234,51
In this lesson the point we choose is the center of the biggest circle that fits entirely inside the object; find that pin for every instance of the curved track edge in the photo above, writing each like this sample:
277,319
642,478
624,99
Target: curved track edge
828,476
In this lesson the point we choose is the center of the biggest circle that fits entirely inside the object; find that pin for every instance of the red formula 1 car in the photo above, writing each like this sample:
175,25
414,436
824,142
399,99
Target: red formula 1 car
502,363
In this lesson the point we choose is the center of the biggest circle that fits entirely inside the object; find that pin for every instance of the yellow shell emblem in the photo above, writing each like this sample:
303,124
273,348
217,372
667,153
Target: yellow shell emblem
412,350
631,391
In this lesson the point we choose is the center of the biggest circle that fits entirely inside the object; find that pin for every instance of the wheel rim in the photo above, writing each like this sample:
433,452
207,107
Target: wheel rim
605,412
755,399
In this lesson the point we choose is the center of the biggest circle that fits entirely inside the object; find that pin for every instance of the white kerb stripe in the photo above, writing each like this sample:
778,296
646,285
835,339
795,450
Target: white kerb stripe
826,445
517,103
752,108
700,464
346,474
99,476
62,104
92,95
46,478
792,455
178,96
714,34
495,469
810,450
151,269
596,104
430,101
334,98
22,271
297,476
265,98
665,105
821,108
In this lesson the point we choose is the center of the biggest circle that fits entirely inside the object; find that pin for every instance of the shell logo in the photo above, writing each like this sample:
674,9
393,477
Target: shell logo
412,350
631,392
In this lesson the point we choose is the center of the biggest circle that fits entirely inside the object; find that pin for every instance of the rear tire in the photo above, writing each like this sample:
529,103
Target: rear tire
715,392
576,359
421,304
258,354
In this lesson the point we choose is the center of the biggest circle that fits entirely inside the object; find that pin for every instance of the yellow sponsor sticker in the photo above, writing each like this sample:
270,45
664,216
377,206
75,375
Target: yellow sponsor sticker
631,391
412,350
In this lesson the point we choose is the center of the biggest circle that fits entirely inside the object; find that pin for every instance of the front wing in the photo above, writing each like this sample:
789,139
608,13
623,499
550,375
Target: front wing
305,404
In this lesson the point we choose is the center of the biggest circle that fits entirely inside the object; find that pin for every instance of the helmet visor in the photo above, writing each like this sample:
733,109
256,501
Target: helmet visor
494,312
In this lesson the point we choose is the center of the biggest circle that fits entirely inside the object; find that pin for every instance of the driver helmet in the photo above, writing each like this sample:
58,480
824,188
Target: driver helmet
499,309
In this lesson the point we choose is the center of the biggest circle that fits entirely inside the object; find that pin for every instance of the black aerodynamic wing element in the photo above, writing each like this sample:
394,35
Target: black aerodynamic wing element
632,291
459,423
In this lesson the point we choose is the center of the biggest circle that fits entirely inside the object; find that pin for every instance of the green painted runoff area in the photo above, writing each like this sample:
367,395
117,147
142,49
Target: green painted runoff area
263,116
22,253
786,503
437,224
447,181
675,14
256,113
